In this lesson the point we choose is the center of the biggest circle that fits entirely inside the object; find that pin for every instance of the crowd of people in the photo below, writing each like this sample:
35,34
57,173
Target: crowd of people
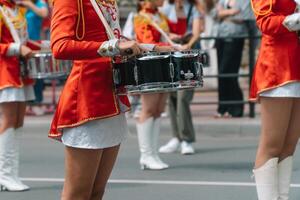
90,117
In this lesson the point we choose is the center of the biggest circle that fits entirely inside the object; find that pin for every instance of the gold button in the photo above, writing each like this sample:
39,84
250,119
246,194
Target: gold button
103,50
110,48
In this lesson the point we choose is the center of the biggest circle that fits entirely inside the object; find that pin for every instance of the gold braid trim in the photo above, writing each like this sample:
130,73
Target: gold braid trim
80,17
258,12
0,26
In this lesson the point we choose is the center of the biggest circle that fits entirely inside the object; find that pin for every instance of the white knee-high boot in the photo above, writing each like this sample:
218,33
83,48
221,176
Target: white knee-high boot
145,138
9,162
19,133
285,168
266,178
156,132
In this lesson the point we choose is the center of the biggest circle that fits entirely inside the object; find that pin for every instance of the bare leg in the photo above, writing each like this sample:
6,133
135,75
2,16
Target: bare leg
149,106
21,114
107,162
162,99
81,166
293,133
276,114
9,115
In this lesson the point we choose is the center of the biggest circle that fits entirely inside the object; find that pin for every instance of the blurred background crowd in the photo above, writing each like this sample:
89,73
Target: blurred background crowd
222,28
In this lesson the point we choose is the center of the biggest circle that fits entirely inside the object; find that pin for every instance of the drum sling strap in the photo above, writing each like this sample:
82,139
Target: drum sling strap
10,26
162,32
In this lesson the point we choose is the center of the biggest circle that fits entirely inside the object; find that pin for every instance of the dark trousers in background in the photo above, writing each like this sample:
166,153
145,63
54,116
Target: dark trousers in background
38,91
229,61
180,114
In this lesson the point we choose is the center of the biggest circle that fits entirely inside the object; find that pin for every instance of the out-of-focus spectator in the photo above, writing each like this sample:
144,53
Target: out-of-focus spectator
128,29
179,102
37,11
229,51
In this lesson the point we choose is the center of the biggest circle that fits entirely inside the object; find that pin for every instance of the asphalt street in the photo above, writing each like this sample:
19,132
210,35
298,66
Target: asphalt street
220,169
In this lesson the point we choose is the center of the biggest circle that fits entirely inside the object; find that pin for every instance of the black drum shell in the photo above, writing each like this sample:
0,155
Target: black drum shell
153,70
124,73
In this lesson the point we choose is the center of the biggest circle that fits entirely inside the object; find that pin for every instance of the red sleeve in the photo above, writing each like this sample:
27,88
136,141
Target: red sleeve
3,48
63,40
180,27
271,22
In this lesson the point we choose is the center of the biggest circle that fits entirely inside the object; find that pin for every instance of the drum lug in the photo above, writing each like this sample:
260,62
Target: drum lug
172,72
205,59
199,69
116,76
136,76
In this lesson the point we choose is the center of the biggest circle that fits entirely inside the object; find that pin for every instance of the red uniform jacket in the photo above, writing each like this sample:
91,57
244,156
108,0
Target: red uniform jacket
9,66
89,91
279,58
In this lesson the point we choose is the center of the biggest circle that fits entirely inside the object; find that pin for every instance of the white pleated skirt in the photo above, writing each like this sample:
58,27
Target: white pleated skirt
98,134
14,94
291,90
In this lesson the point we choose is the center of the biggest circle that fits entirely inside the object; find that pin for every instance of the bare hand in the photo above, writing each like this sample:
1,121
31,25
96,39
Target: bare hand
174,36
184,47
164,48
25,51
130,48
25,3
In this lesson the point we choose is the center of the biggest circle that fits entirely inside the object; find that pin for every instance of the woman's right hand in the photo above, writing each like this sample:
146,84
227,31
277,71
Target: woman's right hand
25,51
130,48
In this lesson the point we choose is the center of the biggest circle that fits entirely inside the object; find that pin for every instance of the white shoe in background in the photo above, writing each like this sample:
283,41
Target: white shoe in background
170,147
187,148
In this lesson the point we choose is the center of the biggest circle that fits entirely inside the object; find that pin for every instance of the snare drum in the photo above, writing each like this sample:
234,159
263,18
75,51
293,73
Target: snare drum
158,72
42,65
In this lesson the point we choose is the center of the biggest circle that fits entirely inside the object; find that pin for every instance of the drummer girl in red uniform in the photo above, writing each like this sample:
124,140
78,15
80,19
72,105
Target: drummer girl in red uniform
148,126
276,84
14,92
89,119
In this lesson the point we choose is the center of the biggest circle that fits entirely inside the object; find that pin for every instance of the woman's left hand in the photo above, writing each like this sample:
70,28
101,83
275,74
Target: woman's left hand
164,48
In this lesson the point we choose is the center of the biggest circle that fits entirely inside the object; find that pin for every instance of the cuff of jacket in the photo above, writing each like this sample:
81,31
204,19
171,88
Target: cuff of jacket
13,49
109,48
292,22
147,47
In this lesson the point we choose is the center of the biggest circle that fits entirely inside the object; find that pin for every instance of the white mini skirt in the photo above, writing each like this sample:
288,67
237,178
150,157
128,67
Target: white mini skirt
291,90
97,134
14,94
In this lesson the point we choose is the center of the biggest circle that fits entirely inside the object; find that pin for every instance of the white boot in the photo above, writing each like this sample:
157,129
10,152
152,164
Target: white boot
145,138
9,162
285,168
266,178
19,133
156,132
